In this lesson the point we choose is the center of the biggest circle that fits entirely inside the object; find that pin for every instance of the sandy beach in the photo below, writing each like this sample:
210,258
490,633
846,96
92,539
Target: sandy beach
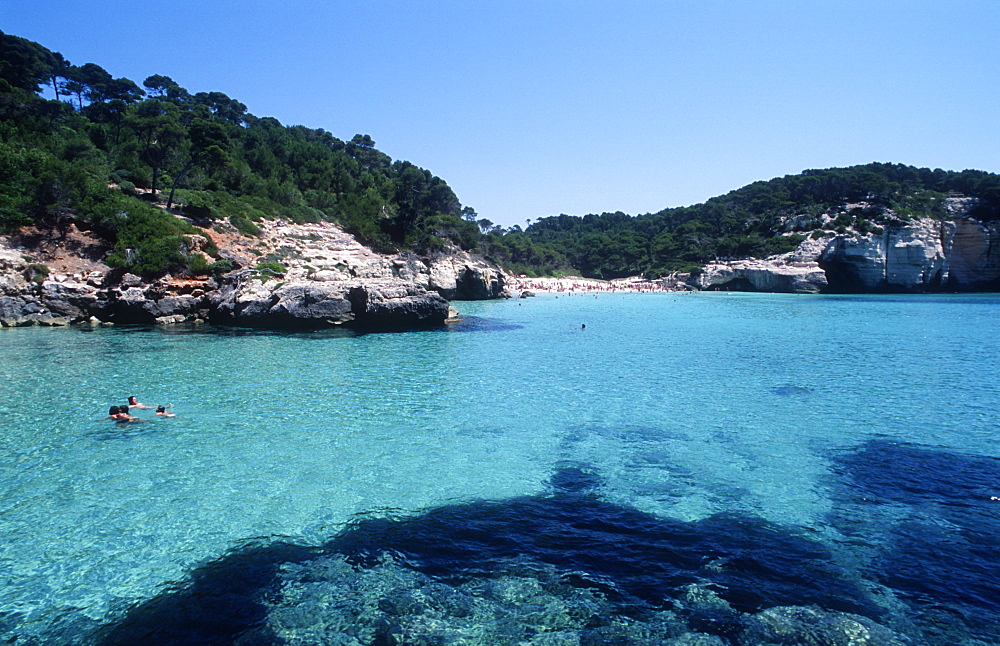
577,284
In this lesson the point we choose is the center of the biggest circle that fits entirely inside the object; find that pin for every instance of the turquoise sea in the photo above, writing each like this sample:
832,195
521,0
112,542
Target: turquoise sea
676,470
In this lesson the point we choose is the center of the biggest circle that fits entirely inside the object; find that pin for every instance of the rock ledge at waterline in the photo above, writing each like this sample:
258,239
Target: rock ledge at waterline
330,279
959,254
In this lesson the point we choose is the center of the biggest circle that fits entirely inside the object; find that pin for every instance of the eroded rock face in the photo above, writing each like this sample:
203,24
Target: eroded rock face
383,304
921,255
763,276
904,257
973,254
329,279
397,305
325,253
918,256
461,277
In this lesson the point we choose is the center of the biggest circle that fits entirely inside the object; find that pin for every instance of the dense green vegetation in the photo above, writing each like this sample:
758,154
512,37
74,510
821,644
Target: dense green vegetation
117,158
104,149
756,221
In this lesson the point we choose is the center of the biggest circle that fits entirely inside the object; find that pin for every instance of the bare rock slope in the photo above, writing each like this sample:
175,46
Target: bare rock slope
294,276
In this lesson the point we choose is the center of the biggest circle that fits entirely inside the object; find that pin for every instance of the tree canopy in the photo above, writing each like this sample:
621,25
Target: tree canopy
109,140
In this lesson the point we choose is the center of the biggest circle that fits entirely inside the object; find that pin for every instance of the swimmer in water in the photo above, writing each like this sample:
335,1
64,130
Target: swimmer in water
161,411
134,403
124,416
120,415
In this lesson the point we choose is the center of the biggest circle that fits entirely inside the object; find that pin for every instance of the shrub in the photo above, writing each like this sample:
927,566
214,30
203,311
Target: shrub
197,264
147,240
36,273
24,174
245,226
271,266
220,267
268,270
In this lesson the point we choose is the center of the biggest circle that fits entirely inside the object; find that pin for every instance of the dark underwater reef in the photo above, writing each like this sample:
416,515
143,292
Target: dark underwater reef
931,519
569,568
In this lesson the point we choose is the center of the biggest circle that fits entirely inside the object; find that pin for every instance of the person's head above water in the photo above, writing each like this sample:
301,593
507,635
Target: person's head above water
114,410
161,409
132,400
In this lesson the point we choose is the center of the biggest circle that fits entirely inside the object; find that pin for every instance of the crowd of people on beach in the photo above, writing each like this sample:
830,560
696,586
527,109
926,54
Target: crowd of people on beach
121,414
589,286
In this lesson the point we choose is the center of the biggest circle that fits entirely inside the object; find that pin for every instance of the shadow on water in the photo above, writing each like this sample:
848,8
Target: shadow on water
124,430
480,324
236,332
791,390
575,478
934,517
465,324
635,561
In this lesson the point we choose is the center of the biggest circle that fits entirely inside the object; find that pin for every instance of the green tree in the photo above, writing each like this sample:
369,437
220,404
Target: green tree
58,72
158,85
157,125
24,64
362,148
208,148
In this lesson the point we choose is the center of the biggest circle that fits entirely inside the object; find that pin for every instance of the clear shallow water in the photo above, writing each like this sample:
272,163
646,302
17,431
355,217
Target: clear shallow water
848,438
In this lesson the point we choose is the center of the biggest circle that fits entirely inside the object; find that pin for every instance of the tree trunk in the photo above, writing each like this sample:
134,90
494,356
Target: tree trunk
180,175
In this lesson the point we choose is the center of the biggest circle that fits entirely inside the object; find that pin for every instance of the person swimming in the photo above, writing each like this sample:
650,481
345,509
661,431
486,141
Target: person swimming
133,402
120,415
125,416
161,411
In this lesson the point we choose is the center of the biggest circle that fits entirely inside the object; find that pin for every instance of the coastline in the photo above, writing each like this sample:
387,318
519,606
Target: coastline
293,276
522,285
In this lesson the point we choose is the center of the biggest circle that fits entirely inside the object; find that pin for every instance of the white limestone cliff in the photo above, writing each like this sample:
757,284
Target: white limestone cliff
328,278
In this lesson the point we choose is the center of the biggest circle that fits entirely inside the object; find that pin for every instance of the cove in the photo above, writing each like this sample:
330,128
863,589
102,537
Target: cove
686,464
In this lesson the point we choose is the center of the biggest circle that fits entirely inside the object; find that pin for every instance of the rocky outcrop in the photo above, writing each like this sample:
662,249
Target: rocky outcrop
331,279
379,304
326,278
31,295
912,255
796,272
325,253
761,276
917,256
460,277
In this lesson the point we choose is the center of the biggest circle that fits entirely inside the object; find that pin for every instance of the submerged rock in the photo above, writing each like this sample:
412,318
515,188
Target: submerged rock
331,601
811,626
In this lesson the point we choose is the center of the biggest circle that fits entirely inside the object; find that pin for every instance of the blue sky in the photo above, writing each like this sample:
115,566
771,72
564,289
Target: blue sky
535,108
